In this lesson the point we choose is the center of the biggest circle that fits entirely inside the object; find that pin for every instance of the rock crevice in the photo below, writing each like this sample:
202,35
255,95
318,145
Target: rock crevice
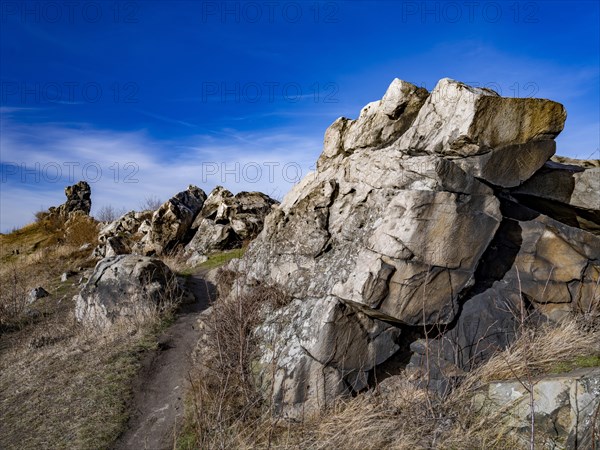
425,212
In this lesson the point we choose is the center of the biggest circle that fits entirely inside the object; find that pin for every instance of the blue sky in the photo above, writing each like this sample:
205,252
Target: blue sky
142,98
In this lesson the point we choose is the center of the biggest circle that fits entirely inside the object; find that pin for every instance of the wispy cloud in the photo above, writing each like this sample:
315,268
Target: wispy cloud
166,119
123,168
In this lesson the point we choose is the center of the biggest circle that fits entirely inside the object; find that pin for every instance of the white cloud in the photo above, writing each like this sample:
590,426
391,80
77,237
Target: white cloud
124,168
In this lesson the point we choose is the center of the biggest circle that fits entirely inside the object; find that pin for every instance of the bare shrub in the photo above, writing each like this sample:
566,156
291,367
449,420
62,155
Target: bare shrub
225,278
151,203
41,215
108,213
13,298
226,394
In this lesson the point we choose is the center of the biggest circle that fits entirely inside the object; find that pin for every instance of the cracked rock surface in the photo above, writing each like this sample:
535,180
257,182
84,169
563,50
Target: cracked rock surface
190,220
431,211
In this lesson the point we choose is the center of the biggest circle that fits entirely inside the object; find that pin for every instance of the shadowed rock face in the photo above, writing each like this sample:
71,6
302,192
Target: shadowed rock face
125,288
192,221
79,199
227,220
414,220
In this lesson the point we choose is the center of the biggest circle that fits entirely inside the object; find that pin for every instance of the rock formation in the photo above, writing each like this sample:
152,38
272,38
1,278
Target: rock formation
172,221
79,199
565,408
227,220
125,288
428,216
118,237
191,221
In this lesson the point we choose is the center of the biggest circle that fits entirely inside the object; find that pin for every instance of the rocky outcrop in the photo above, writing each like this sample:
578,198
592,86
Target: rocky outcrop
126,288
227,221
565,408
172,221
79,199
120,236
190,221
414,222
568,189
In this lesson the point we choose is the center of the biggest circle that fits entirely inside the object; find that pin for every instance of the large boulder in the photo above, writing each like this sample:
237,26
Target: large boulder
171,223
501,140
226,221
410,224
565,408
126,288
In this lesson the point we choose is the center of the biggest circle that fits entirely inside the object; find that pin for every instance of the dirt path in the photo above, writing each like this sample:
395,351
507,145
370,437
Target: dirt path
159,390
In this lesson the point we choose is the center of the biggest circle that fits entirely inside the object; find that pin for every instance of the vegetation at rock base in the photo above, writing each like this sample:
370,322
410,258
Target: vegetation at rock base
61,385
225,409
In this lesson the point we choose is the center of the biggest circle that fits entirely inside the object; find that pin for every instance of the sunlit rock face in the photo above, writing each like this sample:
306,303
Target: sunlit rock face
421,214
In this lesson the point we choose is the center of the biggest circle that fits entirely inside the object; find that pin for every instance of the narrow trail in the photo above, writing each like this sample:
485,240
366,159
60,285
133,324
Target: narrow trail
159,390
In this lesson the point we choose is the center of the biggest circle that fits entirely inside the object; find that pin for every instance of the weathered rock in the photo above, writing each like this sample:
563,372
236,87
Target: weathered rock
120,236
66,275
226,221
116,246
567,190
36,294
379,124
557,266
400,229
534,265
126,288
171,222
501,140
565,408
329,359
189,220
79,199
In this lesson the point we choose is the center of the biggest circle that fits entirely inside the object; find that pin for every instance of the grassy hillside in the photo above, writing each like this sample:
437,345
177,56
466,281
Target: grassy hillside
61,386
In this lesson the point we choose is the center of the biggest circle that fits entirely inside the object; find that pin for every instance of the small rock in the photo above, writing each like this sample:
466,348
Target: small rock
33,314
65,276
37,293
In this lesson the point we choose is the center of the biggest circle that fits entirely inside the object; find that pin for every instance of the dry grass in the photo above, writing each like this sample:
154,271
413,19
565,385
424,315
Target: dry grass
226,411
226,407
37,255
81,229
61,385
541,350
537,351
